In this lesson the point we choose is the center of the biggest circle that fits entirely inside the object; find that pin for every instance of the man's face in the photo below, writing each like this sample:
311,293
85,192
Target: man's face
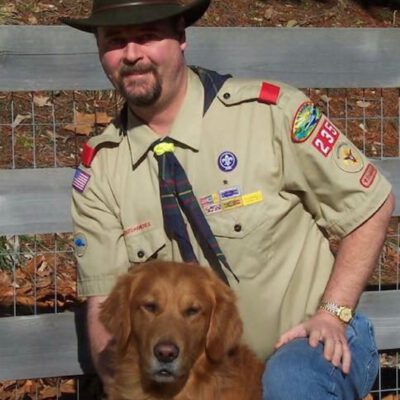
142,61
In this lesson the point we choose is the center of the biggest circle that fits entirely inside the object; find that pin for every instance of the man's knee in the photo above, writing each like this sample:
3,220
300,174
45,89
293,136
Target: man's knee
299,371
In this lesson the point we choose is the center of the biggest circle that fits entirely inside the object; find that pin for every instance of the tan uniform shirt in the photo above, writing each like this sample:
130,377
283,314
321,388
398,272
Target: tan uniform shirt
270,180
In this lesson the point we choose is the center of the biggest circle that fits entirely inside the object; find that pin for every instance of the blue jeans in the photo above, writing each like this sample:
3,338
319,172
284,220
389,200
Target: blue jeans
299,372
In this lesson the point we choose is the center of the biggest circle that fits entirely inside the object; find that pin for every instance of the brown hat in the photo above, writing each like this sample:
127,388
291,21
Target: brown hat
129,12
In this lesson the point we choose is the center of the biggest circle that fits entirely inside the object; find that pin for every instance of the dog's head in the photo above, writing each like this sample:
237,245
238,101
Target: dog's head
170,314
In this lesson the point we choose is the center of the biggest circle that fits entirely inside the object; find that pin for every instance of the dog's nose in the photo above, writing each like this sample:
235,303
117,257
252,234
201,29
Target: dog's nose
166,351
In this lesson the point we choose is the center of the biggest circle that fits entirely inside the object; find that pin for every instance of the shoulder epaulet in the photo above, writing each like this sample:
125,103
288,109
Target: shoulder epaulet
112,134
87,155
269,93
237,91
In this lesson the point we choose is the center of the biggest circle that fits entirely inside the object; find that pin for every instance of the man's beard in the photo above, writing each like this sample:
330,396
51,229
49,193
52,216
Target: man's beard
140,94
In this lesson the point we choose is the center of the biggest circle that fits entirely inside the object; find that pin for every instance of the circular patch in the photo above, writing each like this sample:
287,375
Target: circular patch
80,244
227,161
305,121
348,158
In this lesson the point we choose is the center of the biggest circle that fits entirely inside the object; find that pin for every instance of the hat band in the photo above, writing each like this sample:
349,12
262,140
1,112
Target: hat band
134,3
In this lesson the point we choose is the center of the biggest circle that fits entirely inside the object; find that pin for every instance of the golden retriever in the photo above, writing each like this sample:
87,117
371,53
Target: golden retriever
177,336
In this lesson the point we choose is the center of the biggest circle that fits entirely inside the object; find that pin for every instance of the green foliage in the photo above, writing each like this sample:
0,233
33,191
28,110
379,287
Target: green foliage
7,254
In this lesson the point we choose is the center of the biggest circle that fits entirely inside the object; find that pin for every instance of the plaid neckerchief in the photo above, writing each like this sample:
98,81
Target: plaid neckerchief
177,194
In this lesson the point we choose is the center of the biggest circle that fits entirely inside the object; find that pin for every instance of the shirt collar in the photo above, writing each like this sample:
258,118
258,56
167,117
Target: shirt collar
186,128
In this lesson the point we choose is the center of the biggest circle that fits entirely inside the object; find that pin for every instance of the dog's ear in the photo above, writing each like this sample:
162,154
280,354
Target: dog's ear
115,312
226,328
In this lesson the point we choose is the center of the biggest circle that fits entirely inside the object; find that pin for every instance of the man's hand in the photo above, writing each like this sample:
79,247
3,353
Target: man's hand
328,330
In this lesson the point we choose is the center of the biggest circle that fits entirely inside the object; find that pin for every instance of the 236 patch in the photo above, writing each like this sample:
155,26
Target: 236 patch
326,138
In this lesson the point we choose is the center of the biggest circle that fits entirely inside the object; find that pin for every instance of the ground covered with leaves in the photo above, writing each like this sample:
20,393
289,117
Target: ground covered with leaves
307,13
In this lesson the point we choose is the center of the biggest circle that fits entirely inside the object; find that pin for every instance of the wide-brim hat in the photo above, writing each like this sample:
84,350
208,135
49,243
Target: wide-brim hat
128,12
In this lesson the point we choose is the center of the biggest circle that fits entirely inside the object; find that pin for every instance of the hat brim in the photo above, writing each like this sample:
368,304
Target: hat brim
137,16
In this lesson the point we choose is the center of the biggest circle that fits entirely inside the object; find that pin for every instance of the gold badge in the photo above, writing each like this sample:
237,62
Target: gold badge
348,158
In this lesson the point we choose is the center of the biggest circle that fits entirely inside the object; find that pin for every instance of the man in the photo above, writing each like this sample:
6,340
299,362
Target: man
273,177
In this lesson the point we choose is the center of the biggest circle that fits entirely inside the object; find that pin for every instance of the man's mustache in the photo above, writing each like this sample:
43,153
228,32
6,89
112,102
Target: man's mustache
137,69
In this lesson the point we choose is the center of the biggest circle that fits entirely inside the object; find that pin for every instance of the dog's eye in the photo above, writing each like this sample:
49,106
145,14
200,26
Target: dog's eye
191,311
150,307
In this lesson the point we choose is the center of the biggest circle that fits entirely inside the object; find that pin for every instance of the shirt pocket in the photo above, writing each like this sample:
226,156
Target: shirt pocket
144,246
244,235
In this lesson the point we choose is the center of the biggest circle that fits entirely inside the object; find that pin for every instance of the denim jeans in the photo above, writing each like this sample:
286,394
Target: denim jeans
297,371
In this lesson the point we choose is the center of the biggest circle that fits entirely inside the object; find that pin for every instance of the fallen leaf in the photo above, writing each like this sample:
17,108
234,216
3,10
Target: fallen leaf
48,392
85,123
325,98
292,23
19,118
47,7
363,127
33,20
269,12
68,386
41,101
363,104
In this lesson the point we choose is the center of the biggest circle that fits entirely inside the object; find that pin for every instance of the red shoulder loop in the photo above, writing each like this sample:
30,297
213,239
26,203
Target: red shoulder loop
88,154
269,93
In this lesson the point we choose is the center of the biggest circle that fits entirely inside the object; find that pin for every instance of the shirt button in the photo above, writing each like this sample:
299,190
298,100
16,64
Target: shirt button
140,253
237,228
227,96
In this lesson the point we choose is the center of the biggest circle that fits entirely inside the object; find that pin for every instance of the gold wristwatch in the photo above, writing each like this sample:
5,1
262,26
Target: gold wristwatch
344,313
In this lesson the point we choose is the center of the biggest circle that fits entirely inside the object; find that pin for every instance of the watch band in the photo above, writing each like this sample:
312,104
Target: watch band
344,313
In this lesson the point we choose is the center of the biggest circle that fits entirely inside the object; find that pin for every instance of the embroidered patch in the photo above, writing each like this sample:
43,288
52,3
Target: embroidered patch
305,121
326,138
232,203
212,208
209,199
137,228
368,177
87,155
81,179
80,244
229,193
269,93
348,158
227,161
252,198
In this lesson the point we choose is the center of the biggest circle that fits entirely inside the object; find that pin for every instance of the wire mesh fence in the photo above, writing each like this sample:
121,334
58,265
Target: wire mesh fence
47,129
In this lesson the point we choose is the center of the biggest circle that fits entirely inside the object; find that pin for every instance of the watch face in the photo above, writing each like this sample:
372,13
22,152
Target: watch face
345,314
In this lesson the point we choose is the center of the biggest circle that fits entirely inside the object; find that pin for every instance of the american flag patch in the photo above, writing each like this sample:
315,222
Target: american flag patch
81,179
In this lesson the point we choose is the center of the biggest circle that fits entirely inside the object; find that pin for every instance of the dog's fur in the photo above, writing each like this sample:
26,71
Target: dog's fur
177,337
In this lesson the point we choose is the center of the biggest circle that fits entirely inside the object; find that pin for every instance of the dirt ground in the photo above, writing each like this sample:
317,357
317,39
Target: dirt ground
306,13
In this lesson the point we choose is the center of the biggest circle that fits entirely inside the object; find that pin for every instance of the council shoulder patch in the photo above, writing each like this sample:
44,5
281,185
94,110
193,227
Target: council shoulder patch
305,121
